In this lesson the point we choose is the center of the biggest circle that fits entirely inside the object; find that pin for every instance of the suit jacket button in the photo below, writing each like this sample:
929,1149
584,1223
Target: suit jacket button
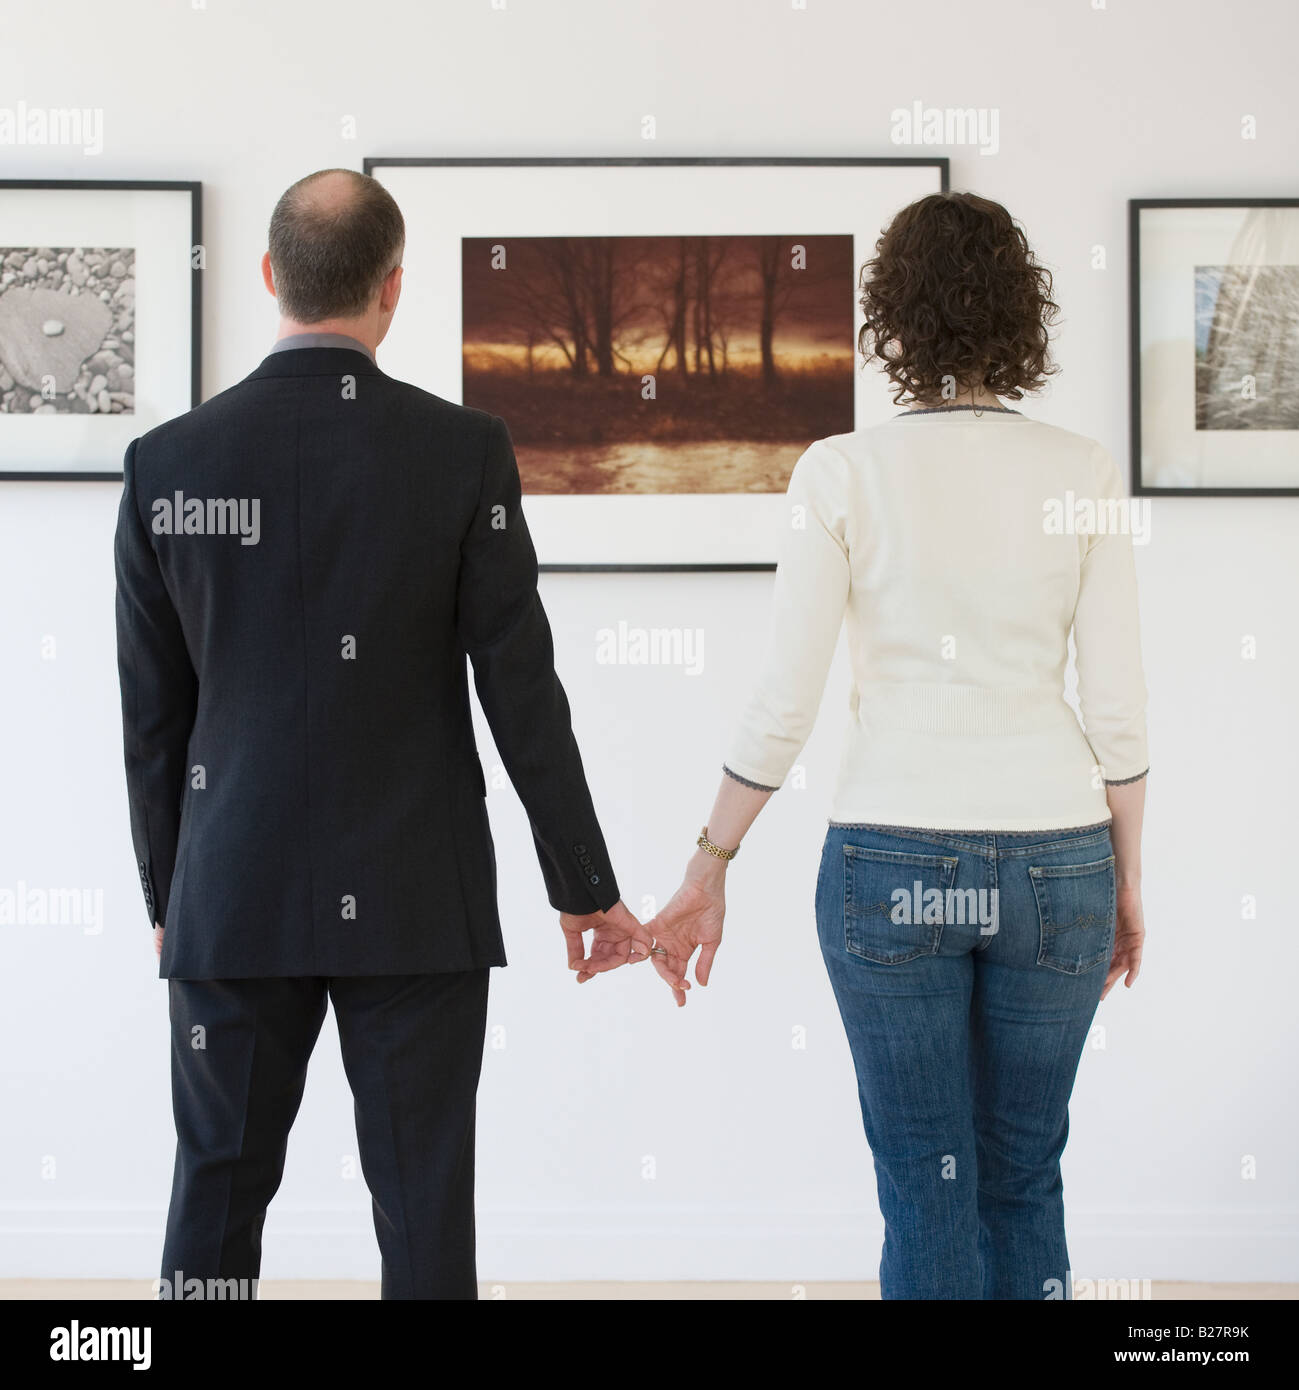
579,849
595,878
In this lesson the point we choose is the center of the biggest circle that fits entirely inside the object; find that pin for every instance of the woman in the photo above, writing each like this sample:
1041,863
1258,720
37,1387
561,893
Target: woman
980,884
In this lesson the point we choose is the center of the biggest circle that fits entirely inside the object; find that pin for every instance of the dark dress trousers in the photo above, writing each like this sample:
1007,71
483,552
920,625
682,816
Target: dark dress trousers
304,563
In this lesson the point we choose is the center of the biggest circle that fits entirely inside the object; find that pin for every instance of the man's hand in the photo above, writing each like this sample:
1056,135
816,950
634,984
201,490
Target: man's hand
617,938
691,920
157,940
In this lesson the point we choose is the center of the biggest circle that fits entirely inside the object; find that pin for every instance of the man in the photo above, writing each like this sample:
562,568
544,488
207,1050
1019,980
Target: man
303,563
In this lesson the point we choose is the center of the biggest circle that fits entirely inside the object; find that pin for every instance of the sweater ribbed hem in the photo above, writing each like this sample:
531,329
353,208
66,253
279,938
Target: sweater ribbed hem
744,781
965,829
1124,781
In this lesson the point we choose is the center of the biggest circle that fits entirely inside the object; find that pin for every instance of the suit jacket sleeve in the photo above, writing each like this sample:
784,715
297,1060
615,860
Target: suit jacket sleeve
505,631
159,698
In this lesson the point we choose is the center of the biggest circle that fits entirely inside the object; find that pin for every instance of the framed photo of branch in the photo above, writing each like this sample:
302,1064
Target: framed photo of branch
663,337
99,321
1214,309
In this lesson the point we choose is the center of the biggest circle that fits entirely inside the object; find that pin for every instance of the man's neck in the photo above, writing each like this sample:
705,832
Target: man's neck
363,332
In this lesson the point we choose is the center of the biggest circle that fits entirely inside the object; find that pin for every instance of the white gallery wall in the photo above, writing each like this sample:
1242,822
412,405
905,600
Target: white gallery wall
618,1136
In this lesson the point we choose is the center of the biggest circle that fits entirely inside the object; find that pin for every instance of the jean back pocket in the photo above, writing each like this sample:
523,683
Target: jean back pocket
1076,911
894,903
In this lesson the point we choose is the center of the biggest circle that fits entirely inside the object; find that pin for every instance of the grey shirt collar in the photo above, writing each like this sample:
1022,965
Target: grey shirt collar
319,340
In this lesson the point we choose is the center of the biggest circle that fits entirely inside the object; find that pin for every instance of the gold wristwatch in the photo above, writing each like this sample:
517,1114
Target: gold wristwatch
716,851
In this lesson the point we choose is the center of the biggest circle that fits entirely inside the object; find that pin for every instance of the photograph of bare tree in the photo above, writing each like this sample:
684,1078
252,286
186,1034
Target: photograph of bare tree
685,364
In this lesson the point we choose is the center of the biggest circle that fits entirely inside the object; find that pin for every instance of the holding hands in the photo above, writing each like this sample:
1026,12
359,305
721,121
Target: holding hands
617,937
691,921
692,918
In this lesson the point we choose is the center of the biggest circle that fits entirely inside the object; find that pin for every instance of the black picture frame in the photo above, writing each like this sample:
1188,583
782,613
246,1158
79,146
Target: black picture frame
940,162
195,191
1137,484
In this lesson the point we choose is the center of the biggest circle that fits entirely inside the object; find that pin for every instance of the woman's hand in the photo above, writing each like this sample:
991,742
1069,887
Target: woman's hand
691,920
1129,938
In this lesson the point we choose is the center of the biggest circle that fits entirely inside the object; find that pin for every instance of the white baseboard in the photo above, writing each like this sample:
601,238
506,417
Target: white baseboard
96,1242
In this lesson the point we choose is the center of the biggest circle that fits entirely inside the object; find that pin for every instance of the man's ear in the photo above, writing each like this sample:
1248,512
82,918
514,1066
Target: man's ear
390,291
267,278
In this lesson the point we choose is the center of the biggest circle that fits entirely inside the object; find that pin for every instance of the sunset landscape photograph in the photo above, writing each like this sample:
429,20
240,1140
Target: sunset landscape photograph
659,364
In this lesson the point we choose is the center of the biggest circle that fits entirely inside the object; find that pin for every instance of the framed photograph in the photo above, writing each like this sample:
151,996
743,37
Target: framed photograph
99,321
663,337
1214,308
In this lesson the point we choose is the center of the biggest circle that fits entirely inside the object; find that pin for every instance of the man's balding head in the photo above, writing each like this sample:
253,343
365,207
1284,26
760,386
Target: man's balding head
335,237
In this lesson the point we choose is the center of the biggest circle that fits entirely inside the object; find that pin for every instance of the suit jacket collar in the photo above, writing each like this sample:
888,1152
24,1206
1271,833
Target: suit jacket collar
316,361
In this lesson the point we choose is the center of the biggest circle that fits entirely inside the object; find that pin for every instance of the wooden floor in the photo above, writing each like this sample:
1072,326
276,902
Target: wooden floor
339,1289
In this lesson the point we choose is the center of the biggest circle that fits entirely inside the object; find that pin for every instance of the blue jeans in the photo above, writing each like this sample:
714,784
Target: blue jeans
967,967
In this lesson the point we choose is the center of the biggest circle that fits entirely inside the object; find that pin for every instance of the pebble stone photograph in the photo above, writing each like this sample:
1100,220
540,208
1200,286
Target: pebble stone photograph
67,330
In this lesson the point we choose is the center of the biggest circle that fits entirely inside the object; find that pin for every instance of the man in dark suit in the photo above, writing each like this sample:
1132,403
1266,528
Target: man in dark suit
303,564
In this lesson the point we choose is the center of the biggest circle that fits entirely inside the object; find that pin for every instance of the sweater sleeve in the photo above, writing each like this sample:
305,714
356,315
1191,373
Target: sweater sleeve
811,591
1107,640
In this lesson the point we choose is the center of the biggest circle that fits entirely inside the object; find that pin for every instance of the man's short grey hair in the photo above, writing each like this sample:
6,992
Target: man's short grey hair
332,247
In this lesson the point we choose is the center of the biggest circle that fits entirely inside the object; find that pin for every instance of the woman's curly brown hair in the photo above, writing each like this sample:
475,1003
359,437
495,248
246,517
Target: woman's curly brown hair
954,292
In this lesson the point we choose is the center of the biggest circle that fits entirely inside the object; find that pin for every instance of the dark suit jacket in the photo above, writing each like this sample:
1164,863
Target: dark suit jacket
306,795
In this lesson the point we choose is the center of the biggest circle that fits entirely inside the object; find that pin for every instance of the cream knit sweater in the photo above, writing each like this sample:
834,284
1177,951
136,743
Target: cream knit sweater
937,538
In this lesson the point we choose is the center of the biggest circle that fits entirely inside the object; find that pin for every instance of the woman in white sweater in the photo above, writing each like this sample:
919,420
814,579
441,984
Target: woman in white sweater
980,884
